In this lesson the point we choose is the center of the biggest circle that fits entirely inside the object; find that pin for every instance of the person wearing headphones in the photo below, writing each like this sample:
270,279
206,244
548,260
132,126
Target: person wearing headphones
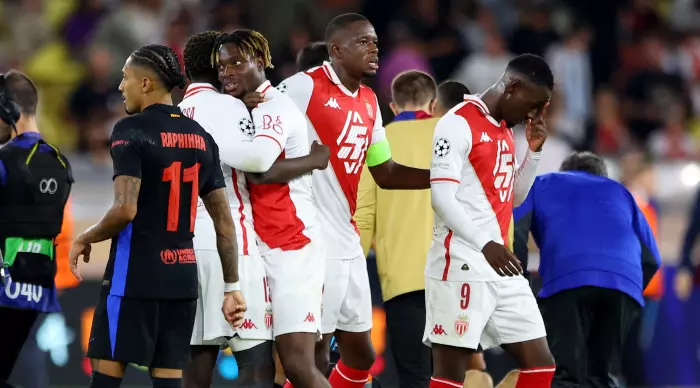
35,182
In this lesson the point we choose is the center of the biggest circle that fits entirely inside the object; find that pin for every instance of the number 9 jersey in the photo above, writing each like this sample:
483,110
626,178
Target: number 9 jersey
177,162
475,152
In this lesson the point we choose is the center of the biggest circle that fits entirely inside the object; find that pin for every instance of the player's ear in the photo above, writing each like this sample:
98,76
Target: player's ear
335,51
512,86
394,108
433,104
145,84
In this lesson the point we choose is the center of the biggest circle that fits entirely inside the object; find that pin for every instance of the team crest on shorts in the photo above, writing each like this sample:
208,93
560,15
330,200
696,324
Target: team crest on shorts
268,318
461,325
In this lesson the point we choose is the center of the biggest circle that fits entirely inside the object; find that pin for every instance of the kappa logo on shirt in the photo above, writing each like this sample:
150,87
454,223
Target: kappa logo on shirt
485,137
332,103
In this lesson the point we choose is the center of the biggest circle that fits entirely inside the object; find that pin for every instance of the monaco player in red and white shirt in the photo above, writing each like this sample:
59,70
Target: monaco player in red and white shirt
475,291
228,121
286,222
344,114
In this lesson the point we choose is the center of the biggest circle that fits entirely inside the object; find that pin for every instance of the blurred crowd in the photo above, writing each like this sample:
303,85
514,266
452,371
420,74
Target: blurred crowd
627,71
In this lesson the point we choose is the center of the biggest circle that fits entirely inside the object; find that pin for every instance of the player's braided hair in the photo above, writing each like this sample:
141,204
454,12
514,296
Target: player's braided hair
163,61
197,53
249,42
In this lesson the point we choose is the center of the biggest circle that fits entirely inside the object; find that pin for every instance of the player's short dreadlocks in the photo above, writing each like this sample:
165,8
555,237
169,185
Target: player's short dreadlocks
197,53
250,43
163,61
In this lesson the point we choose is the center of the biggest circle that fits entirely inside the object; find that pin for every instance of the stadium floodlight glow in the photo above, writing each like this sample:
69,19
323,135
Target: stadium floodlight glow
690,174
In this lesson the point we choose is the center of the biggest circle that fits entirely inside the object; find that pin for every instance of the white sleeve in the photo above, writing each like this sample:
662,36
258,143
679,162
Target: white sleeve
237,148
271,125
378,132
451,147
525,175
299,88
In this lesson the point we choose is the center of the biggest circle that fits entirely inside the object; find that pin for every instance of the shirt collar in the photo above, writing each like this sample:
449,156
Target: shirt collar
263,87
411,115
167,108
476,100
333,76
197,87
26,139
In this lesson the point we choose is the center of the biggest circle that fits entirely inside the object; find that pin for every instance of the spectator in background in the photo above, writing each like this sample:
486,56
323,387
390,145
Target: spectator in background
607,131
312,55
482,69
298,39
82,23
94,105
405,55
534,34
597,254
28,28
570,63
403,237
672,140
439,40
638,175
651,92
133,24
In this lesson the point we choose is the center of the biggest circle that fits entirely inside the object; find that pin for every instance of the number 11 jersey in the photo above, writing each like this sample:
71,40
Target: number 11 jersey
177,161
472,150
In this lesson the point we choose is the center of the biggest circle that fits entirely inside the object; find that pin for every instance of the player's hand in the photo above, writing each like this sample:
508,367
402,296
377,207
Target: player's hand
501,259
78,249
252,99
536,130
321,154
234,308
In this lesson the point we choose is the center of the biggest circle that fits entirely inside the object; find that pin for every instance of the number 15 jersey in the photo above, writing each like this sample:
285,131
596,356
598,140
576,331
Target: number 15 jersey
177,161
348,123
477,153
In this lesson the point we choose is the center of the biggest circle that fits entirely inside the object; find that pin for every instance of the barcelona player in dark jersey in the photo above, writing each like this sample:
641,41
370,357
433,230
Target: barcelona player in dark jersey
163,163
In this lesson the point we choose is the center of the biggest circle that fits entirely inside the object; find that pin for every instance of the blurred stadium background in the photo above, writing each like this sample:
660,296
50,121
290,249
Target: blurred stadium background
627,74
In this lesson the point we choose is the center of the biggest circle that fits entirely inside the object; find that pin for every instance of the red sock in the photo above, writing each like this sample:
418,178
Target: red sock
345,377
439,382
536,377
288,385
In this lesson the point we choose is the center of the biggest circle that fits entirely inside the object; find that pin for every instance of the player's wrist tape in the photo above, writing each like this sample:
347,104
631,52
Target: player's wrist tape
228,287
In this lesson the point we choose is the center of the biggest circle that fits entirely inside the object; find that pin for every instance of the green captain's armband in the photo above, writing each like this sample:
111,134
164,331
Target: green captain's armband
15,245
378,153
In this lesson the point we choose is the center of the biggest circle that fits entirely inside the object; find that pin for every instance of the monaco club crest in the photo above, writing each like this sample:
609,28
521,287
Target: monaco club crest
268,318
461,325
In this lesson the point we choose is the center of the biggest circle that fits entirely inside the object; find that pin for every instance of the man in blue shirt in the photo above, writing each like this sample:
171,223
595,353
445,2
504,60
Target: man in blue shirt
597,254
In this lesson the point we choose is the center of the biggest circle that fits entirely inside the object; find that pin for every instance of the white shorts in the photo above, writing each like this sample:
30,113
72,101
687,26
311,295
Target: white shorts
210,327
466,314
347,299
295,279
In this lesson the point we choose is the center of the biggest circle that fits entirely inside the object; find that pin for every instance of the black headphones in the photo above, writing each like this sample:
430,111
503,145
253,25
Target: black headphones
9,110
